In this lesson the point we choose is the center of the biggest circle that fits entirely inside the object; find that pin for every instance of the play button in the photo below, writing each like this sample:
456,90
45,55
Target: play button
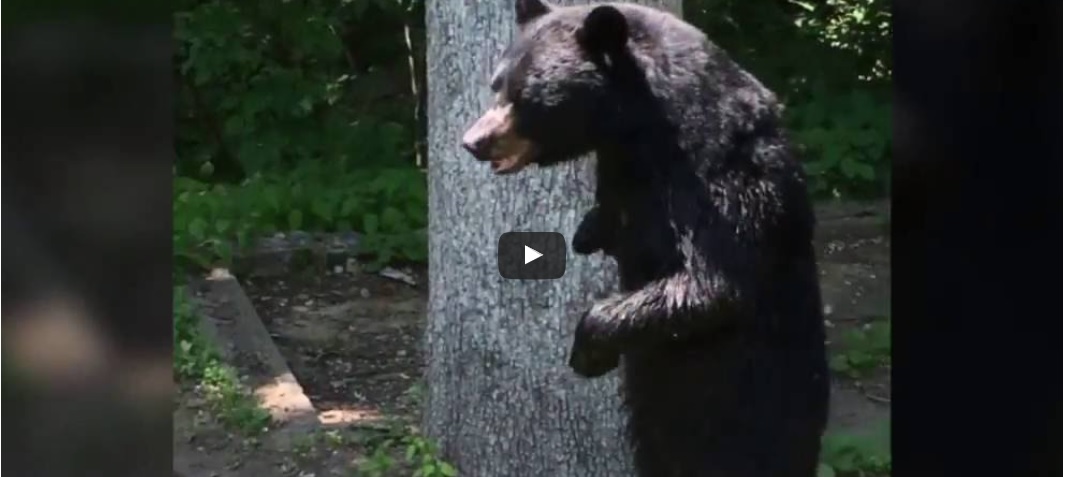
532,255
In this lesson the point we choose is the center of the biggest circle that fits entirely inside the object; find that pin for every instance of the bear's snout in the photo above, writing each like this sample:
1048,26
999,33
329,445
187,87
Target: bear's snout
478,144
480,138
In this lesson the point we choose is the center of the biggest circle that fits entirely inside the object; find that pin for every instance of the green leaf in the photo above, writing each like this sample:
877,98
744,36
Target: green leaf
848,462
350,205
272,197
804,5
306,105
849,167
832,155
825,470
860,358
858,14
322,209
816,168
295,220
198,228
223,250
814,137
370,224
392,220
862,105
865,171
447,470
813,114
234,126
839,363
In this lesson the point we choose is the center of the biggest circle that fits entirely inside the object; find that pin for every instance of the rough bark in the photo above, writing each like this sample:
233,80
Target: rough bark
501,401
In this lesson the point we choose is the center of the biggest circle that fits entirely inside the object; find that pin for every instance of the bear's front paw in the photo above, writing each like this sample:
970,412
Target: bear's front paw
584,245
597,232
586,240
591,363
590,357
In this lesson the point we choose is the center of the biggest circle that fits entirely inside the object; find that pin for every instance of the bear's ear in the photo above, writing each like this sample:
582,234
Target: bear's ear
605,31
526,11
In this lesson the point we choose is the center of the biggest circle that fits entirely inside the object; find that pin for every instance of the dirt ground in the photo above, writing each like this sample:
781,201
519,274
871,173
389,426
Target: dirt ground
352,341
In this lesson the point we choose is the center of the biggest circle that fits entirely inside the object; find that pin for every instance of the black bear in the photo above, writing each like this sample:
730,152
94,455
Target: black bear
703,204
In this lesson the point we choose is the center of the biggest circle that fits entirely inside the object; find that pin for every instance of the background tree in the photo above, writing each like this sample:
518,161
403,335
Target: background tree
501,399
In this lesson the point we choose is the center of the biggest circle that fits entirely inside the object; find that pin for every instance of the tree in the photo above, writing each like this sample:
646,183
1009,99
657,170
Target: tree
501,400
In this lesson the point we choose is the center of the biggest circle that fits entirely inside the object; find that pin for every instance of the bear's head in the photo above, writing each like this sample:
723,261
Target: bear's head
556,87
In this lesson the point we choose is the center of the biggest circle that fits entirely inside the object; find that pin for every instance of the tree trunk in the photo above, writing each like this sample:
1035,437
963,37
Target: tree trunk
501,400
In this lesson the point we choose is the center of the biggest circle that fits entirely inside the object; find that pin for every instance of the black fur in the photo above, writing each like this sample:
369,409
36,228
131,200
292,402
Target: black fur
596,233
704,206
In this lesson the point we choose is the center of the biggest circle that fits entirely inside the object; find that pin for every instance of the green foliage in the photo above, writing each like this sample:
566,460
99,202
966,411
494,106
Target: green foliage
197,362
387,205
863,350
268,85
192,353
830,62
232,402
847,138
296,116
860,27
420,456
424,455
857,454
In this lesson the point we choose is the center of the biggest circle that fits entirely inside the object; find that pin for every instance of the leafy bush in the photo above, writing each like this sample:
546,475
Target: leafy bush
847,137
387,205
271,85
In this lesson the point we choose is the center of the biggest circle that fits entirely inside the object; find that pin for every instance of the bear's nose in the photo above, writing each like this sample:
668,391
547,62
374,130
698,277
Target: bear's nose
477,145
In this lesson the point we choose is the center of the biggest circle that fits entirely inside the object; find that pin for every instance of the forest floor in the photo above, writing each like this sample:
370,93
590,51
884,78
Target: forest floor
352,340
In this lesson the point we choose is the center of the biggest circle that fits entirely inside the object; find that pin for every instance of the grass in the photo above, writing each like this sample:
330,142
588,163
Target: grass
196,362
863,350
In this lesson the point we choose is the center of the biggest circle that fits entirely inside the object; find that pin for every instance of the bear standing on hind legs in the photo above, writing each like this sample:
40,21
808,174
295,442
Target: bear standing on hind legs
704,206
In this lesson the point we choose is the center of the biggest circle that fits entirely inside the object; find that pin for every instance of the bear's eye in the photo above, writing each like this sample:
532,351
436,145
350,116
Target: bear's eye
498,81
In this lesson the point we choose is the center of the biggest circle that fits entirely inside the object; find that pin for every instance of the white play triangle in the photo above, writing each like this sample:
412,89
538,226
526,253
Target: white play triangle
531,254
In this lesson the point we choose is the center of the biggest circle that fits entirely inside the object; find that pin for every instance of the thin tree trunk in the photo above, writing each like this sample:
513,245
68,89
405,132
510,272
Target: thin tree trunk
501,400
